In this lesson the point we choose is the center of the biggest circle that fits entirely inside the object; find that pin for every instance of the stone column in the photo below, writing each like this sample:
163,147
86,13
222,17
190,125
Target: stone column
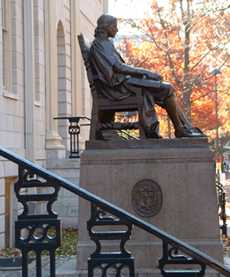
105,6
1,58
77,83
29,78
54,145
76,58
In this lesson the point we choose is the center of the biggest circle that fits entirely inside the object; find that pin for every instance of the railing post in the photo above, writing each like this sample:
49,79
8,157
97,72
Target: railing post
224,217
74,132
174,263
221,197
36,231
109,260
24,263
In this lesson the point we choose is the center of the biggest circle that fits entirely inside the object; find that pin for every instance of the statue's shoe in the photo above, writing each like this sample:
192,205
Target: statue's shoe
189,133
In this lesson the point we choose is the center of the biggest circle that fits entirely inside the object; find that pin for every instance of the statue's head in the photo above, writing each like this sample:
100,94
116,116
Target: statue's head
106,25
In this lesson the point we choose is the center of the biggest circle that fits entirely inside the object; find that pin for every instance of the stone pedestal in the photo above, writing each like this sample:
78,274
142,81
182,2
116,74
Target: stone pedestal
185,172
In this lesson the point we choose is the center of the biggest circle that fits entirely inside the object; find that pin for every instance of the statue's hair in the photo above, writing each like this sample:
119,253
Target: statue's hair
103,22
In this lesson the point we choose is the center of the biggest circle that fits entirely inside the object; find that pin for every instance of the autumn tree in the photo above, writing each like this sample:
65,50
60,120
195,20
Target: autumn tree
185,41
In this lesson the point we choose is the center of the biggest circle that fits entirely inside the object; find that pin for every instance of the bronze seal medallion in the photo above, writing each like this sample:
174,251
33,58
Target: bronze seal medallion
147,198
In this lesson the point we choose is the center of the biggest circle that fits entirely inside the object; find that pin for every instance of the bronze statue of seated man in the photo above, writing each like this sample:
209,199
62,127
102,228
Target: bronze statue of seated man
120,80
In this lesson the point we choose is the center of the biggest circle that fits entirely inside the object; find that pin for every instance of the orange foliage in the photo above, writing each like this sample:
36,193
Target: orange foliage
184,42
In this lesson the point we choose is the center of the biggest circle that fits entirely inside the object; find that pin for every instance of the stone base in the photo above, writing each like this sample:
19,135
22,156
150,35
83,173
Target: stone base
185,173
67,204
140,273
55,154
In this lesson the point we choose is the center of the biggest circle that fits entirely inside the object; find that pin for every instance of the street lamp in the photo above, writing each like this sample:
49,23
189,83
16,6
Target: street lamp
214,73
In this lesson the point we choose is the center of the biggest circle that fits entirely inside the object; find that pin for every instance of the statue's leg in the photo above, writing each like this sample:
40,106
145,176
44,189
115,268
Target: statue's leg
184,120
181,116
150,119
182,126
164,96
195,132
172,110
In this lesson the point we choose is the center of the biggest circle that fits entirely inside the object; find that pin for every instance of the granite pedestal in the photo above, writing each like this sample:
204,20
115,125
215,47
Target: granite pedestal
185,172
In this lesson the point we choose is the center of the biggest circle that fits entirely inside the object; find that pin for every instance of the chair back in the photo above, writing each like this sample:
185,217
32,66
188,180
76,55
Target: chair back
85,55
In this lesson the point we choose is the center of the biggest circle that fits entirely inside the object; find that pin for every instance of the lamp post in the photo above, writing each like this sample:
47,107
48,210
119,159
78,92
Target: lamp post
214,73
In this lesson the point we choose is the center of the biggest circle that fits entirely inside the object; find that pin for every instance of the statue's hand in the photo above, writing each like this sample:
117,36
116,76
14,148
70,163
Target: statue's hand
153,76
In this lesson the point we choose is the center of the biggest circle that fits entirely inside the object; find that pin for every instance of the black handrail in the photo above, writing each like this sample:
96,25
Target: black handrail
116,211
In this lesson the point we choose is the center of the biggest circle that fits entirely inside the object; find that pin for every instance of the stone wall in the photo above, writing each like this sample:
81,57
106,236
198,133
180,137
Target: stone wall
38,82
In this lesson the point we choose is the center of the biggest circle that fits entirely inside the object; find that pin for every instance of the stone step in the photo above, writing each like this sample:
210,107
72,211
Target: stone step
70,174
67,204
63,164
67,268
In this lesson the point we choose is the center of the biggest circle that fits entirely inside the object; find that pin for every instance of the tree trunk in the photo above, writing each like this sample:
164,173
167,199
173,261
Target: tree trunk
187,90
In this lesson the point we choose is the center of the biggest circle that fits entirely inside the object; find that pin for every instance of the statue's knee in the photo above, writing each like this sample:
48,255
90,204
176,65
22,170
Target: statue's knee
169,88
172,90
169,99
171,94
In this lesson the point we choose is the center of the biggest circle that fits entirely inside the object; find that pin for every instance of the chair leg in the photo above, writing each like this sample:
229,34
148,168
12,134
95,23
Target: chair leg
94,123
140,110
141,124
131,269
90,268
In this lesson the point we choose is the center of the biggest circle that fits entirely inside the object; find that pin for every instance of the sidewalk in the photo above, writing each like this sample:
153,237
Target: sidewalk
227,261
65,267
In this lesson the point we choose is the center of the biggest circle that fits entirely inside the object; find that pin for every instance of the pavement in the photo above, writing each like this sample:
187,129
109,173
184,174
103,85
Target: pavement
227,261
65,267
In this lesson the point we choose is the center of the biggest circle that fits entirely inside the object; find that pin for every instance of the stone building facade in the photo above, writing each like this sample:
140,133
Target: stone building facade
41,77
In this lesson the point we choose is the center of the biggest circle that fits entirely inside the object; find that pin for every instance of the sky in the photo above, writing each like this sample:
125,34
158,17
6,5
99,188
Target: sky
135,9
129,8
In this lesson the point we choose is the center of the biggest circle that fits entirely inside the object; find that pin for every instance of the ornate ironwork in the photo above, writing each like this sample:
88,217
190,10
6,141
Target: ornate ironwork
37,228
174,263
109,260
74,132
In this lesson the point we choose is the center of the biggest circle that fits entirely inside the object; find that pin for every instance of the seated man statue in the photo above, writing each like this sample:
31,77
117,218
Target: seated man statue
118,80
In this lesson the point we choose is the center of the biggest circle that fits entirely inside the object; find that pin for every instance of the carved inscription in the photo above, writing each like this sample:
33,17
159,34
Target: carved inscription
146,198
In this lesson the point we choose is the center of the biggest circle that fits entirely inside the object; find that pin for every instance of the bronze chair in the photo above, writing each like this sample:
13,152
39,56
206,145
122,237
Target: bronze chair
102,105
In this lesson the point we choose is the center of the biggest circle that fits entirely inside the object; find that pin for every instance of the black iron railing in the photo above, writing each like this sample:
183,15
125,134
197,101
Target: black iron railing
74,133
221,199
40,230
